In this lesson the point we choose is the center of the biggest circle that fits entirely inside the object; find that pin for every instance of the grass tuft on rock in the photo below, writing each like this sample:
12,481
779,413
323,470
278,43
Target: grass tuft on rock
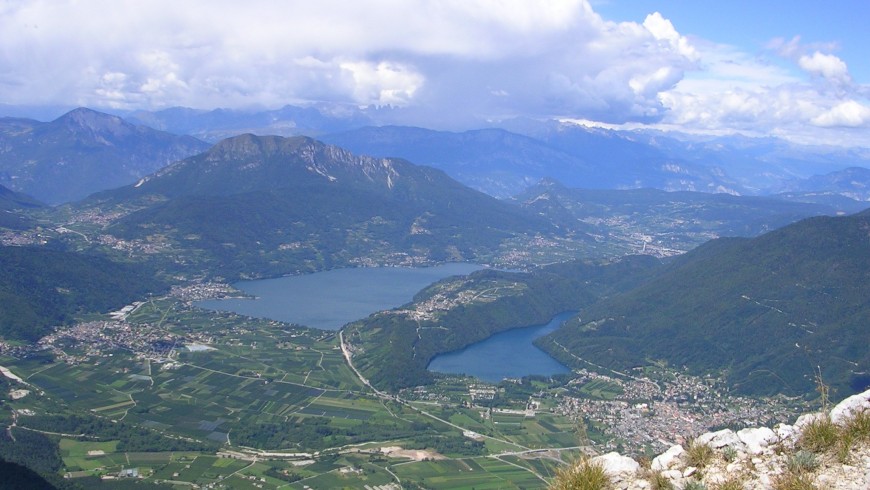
583,475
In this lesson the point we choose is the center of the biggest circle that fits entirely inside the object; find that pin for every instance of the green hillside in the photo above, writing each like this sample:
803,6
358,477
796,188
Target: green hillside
41,288
265,206
765,311
397,345
11,204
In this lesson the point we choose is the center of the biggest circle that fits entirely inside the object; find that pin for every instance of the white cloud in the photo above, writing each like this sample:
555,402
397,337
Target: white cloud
849,114
663,30
445,62
483,58
826,65
383,83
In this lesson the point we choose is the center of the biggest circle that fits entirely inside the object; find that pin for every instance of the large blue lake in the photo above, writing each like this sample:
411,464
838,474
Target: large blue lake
508,354
329,300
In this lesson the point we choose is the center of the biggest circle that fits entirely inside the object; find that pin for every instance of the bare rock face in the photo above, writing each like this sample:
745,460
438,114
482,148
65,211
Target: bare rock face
850,406
668,459
618,466
720,439
757,440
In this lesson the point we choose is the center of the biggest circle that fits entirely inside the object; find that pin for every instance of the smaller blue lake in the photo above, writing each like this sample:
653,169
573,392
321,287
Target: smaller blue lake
508,354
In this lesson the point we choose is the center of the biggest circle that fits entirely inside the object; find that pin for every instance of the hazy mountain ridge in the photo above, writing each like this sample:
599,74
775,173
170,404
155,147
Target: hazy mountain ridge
852,182
217,124
82,152
502,163
604,158
641,220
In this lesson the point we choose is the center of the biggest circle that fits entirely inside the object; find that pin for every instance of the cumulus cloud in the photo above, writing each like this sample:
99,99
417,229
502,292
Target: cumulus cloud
442,62
489,57
803,94
663,30
848,114
825,65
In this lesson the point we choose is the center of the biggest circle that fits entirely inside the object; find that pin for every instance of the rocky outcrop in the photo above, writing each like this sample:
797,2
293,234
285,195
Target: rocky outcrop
755,457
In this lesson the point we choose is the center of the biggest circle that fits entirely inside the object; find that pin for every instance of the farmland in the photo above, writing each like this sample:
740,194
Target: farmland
251,403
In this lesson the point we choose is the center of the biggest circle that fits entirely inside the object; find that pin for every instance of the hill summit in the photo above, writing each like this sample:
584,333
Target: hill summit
266,205
82,152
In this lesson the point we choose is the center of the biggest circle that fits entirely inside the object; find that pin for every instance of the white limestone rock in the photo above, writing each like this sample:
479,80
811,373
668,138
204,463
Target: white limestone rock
807,419
787,434
617,465
757,440
669,459
850,406
720,439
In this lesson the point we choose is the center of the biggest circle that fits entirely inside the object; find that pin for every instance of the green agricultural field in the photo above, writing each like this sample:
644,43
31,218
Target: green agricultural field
477,473
267,386
601,390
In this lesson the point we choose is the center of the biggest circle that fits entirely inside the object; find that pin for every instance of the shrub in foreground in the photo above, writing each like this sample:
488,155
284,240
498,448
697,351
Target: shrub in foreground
583,475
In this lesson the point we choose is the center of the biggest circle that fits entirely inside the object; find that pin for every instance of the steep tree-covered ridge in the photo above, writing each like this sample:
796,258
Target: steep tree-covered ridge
266,206
42,288
393,348
767,311
11,205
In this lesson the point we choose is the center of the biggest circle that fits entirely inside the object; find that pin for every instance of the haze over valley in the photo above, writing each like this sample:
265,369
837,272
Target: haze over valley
459,259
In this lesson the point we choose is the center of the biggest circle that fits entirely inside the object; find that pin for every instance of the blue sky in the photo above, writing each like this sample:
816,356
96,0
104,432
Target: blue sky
795,69
751,25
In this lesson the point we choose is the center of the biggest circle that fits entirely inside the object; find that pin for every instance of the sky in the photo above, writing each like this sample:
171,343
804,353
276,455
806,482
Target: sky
798,69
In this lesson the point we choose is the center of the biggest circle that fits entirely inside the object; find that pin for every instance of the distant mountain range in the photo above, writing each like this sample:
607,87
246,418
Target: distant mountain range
253,206
85,151
503,164
760,165
641,220
217,124
82,152
852,182
768,310
515,153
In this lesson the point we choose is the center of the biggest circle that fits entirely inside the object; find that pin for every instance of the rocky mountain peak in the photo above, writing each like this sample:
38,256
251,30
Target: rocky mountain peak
248,151
90,122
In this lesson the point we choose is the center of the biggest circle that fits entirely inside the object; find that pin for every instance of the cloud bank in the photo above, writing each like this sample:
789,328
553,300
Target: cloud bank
453,61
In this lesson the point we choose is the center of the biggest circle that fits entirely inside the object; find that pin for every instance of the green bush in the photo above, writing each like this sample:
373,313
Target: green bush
802,462
584,475
699,455
819,435
733,483
659,482
794,481
858,426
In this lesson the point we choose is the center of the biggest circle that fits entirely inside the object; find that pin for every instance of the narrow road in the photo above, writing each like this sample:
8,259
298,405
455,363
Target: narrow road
348,357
